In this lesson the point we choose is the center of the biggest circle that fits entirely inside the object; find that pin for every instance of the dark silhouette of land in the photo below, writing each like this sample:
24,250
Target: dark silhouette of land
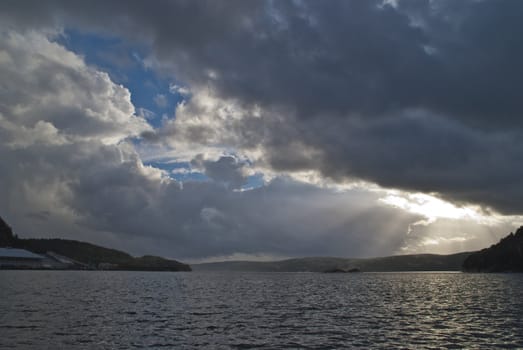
338,270
7,237
416,262
504,256
89,255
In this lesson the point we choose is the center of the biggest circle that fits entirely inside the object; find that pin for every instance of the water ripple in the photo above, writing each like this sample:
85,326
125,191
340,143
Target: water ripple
133,310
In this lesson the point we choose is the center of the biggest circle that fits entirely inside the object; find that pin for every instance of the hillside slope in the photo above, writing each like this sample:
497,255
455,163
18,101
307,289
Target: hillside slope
418,262
504,256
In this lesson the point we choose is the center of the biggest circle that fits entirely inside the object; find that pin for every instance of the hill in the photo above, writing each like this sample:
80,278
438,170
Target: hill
89,254
7,238
504,256
417,262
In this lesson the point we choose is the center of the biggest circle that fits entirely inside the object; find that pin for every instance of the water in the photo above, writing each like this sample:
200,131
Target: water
126,310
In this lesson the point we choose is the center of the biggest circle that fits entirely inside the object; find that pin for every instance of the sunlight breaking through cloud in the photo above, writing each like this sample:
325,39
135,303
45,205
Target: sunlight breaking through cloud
433,208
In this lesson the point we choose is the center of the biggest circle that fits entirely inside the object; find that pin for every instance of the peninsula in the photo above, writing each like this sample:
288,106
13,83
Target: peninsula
70,254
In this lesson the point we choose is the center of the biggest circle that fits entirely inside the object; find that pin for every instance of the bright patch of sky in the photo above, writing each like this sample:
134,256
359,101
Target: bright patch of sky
433,208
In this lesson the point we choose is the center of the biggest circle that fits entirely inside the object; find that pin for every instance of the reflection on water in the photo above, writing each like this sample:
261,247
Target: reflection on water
122,310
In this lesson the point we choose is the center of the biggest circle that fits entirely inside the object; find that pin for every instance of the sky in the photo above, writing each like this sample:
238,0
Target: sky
223,130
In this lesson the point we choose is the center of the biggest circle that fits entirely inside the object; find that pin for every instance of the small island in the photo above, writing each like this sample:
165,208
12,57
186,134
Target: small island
63,254
341,270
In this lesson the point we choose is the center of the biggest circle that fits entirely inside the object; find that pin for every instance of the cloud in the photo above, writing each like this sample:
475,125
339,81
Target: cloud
59,120
44,99
444,235
178,89
227,170
417,96
145,114
421,96
161,100
84,179
414,150
347,57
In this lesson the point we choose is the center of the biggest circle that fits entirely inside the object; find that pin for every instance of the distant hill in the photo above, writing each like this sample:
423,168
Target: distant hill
418,262
504,256
89,254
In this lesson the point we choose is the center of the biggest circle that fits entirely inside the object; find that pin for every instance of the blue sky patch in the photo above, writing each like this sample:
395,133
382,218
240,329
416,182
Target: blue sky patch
150,93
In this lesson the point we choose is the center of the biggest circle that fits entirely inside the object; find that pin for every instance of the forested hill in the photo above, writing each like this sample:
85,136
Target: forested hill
89,254
417,262
7,238
504,256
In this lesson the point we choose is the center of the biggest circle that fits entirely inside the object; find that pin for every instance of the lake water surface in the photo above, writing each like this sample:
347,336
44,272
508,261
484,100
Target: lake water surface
127,310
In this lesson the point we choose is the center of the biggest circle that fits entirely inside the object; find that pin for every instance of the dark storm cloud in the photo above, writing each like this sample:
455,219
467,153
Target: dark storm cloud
423,97
226,170
420,151
337,57
345,73
62,177
70,166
